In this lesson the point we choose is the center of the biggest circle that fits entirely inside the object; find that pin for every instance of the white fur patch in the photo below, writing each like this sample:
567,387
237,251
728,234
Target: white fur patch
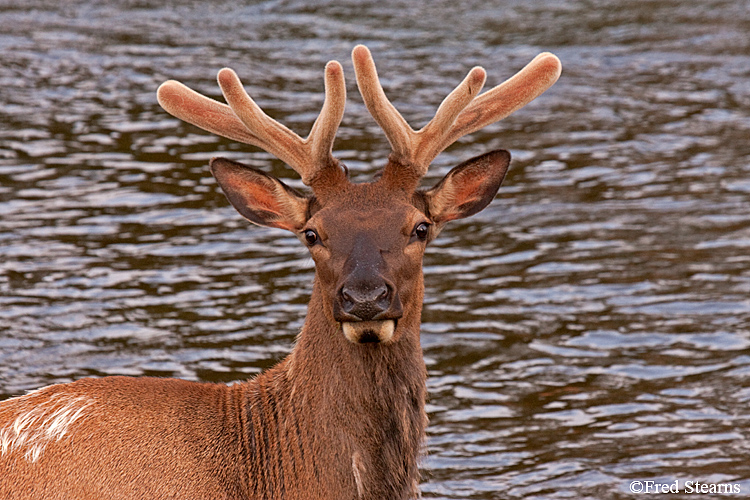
43,420
358,469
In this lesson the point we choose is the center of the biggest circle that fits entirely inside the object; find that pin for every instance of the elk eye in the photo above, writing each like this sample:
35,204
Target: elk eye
421,230
311,237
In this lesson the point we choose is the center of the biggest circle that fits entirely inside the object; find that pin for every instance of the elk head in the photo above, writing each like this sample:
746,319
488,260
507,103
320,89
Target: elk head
368,239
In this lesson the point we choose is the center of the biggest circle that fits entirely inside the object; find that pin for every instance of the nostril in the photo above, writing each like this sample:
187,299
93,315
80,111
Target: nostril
347,301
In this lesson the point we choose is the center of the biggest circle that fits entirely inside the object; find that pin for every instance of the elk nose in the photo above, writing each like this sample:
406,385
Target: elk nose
365,302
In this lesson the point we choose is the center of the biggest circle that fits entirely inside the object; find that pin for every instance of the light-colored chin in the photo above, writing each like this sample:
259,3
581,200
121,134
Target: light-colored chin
356,331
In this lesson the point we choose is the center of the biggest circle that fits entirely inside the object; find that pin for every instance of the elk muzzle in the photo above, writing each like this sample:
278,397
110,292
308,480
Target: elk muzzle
367,309
367,304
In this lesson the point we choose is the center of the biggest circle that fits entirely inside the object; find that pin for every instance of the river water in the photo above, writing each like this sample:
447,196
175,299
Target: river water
591,328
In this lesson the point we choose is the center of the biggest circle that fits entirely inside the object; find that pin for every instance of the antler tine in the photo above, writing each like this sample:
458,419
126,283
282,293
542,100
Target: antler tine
323,131
461,113
450,109
244,121
398,132
196,109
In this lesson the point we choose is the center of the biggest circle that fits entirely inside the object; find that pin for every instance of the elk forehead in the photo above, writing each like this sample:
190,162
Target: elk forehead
367,211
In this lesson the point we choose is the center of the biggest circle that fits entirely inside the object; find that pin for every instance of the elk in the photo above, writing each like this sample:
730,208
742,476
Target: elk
343,415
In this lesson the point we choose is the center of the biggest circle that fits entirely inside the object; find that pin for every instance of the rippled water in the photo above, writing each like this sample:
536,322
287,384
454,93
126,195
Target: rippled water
590,328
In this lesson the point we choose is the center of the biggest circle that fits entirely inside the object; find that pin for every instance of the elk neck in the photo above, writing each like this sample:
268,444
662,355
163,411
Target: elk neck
356,373
355,412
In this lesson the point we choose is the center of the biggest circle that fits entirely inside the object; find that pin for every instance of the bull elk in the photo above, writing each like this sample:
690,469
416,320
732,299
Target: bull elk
343,415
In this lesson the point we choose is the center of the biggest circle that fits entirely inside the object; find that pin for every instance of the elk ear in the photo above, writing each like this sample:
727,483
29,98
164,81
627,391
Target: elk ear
259,197
468,188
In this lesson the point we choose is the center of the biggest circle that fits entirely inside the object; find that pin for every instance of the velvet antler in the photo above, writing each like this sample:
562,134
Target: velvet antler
461,113
244,121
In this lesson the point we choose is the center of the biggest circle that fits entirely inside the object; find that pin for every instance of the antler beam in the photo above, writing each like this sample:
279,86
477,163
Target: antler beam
244,121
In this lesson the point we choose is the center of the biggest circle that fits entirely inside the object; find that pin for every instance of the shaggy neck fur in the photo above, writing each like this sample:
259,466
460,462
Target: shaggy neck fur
349,417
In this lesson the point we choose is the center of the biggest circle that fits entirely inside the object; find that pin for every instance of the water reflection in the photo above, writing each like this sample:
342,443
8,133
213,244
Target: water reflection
588,329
